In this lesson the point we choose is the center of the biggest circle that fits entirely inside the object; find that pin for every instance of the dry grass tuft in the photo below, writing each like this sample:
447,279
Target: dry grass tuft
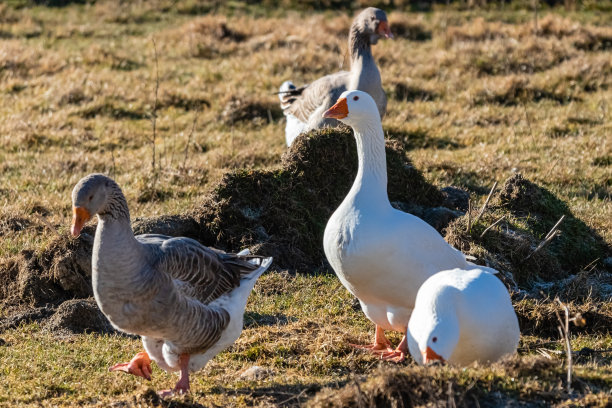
533,379
241,109
530,212
538,318
408,27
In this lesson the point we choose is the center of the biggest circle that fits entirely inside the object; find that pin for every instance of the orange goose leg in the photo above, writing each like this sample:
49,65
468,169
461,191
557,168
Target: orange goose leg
182,386
399,354
381,344
140,365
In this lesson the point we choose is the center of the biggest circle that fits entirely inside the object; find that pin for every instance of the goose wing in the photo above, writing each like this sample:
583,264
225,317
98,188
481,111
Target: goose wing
302,102
198,271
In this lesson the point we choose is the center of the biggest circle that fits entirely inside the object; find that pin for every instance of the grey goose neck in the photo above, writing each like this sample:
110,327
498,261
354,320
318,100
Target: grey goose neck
364,72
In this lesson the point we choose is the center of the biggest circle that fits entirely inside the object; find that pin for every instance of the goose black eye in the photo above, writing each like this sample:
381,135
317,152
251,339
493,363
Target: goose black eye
434,339
90,197
355,98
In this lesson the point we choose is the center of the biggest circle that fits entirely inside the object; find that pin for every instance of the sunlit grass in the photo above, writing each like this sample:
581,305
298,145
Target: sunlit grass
472,104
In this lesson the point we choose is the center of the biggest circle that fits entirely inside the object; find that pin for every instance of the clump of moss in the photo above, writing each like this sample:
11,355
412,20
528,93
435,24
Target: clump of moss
576,247
530,212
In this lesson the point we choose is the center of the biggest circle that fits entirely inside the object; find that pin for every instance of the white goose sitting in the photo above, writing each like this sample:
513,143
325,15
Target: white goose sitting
185,300
381,255
462,317
304,106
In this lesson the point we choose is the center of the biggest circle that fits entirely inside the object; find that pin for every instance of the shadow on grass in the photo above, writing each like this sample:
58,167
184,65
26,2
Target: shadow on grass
278,395
420,139
254,319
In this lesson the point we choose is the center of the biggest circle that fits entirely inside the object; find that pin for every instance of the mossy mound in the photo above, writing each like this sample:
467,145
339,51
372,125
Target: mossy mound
77,316
516,381
530,212
285,210
60,272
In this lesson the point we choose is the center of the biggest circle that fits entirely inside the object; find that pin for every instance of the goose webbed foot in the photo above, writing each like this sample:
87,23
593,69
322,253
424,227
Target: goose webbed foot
140,366
398,355
381,343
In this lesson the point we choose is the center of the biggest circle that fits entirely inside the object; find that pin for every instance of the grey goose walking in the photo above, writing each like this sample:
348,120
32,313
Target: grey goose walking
185,300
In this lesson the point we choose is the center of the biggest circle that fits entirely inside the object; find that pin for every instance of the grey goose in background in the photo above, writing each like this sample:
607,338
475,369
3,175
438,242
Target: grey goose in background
303,107
185,300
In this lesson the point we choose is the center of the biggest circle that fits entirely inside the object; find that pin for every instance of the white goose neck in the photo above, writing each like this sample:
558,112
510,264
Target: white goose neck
372,160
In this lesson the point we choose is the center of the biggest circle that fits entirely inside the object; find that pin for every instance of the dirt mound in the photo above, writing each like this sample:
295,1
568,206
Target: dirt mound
76,316
484,385
403,91
529,212
13,224
538,318
61,272
285,210
247,110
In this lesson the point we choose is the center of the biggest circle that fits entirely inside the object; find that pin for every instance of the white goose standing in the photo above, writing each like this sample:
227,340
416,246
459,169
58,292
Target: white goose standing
303,107
461,317
185,300
380,254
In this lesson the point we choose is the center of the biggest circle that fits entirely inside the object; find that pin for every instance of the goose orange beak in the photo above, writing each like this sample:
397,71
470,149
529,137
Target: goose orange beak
384,30
429,356
79,217
338,111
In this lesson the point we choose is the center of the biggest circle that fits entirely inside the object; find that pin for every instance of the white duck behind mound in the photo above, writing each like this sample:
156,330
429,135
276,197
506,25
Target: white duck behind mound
462,316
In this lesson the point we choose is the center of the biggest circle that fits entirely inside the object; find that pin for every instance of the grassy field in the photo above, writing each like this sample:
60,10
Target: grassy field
475,96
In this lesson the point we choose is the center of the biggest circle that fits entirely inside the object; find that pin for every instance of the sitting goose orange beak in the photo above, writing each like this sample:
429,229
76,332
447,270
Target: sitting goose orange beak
430,356
338,111
79,218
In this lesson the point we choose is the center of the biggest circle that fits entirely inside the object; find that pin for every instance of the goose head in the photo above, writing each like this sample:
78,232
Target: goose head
354,108
434,329
373,23
90,196
438,343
